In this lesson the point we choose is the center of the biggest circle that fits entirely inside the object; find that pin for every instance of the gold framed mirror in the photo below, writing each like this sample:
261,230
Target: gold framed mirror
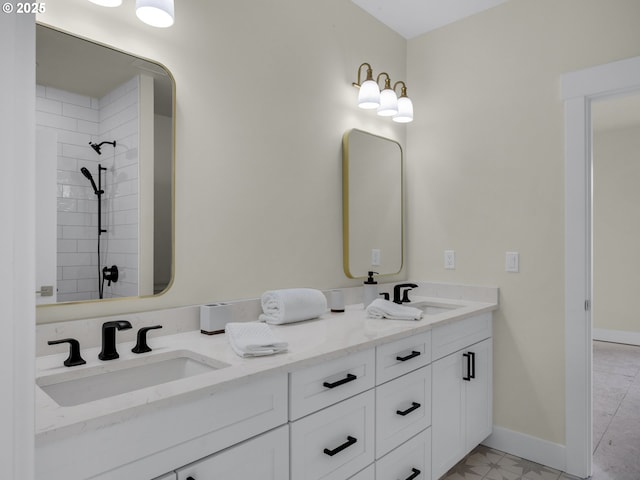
372,210
105,123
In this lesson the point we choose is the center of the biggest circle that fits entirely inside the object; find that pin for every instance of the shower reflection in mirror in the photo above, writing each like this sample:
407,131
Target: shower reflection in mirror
109,274
97,189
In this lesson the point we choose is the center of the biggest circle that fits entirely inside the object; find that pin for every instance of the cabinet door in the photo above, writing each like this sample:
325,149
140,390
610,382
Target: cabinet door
265,457
479,402
448,413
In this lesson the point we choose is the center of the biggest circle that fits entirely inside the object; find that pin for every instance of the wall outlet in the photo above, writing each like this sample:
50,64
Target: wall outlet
449,259
375,257
512,262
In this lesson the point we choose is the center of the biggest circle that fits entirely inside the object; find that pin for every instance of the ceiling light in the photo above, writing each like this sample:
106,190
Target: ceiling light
157,13
107,3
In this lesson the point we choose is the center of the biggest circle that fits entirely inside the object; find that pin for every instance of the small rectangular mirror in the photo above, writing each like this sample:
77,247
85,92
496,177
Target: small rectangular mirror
372,204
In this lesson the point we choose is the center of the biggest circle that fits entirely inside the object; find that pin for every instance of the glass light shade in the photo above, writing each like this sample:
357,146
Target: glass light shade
107,3
405,111
388,103
157,13
369,95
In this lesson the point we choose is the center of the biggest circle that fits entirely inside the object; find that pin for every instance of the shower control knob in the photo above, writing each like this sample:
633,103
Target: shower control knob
110,274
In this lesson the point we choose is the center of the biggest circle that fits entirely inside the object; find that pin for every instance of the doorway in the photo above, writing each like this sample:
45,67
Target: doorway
579,89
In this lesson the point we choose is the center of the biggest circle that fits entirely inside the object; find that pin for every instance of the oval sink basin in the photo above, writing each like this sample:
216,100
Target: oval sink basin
84,385
431,308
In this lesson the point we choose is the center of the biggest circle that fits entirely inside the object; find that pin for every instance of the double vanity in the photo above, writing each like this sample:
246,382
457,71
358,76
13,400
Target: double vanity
352,398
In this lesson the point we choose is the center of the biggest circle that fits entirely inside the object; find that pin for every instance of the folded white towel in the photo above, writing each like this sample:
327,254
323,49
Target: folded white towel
292,305
253,339
380,308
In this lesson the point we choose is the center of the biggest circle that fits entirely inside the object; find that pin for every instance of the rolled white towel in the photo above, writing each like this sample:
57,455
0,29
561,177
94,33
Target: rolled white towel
253,339
380,308
292,305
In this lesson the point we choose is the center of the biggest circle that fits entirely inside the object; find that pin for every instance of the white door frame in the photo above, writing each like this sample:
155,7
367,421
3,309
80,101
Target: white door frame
578,90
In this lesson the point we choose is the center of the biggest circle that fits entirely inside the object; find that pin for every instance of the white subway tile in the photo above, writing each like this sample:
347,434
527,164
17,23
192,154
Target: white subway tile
80,113
56,121
48,105
68,97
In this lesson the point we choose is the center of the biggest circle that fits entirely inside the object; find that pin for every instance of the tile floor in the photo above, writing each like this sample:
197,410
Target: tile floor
616,428
616,411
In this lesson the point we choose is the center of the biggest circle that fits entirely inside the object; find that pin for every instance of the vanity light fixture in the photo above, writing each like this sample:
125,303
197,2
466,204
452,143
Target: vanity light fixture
157,13
387,102
405,105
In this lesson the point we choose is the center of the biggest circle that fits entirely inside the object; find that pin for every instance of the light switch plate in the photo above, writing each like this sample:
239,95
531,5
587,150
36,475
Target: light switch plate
512,262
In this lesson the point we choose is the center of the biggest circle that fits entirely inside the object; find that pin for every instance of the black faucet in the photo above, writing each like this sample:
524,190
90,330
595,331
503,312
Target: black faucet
109,338
141,343
397,291
74,351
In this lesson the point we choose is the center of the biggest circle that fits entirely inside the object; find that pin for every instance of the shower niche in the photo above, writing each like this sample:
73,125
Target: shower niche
104,171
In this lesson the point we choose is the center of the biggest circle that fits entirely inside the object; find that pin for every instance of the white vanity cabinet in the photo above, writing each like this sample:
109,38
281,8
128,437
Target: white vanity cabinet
265,457
462,390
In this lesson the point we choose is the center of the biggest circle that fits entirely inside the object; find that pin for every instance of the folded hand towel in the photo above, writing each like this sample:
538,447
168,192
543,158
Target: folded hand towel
253,339
292,305
380,308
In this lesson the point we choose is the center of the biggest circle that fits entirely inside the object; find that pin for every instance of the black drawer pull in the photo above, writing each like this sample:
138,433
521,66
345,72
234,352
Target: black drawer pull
350,441
415,473
349,378
414,406
413,354
471,366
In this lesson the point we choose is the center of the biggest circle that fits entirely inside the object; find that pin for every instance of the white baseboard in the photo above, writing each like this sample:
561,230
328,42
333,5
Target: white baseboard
530,448
616,336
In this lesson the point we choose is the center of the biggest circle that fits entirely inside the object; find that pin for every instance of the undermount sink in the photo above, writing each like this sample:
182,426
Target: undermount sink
433,308
84,385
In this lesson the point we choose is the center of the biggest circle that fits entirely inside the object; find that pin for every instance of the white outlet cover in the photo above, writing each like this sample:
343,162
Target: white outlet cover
450,259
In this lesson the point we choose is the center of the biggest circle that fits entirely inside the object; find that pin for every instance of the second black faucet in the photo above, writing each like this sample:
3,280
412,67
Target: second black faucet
109,338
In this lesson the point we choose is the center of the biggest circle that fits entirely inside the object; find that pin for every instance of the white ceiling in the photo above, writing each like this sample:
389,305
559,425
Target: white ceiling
411,18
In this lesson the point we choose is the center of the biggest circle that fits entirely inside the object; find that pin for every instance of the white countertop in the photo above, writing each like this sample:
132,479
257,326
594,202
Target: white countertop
330,336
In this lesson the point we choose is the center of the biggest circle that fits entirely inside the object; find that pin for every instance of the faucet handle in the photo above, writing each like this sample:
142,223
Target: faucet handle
74,351
141,344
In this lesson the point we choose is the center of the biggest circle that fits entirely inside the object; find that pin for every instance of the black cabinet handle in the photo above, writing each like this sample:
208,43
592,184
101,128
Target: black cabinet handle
190,478
472,357
414,474
350,441
413,354
467,377
349,378
414,406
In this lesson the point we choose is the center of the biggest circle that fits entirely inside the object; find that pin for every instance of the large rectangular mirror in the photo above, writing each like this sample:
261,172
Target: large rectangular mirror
372,204
104,171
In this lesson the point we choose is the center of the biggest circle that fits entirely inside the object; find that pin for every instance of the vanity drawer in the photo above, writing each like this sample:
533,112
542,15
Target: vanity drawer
402,356
336,442
412,460
319,386
460,334
265,457
368,473
403,409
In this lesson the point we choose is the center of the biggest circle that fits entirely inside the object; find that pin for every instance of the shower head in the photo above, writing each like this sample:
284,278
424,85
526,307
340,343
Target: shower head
87,174
96,146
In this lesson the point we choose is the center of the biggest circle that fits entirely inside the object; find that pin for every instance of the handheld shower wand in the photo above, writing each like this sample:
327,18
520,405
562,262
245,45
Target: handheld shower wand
96,146
87,174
